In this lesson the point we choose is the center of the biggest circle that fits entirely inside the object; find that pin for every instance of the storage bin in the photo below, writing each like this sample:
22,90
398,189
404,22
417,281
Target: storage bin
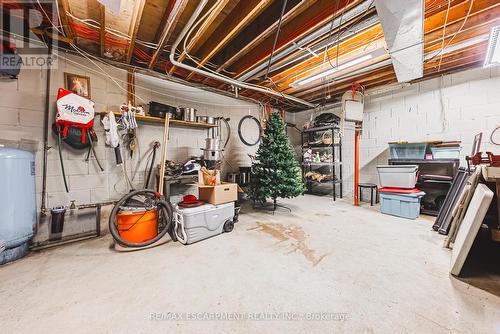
401,205
407,150
402,176
202,222
446,152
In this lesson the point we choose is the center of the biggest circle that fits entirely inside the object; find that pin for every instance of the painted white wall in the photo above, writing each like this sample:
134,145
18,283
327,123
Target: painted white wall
452,107
21,117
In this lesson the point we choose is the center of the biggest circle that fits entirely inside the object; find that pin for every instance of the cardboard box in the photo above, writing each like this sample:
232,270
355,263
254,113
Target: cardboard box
220,194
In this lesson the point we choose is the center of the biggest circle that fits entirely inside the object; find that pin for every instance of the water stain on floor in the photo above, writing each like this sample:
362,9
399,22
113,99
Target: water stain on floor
292,233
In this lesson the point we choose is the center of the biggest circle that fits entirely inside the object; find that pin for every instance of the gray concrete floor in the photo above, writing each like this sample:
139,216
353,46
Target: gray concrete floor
362,271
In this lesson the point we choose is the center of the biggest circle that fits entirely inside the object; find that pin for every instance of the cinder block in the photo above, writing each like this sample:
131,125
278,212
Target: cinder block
12,85
63,198
474,74
98,195
24,100
79,182
71,167
56,184
9,116
32,118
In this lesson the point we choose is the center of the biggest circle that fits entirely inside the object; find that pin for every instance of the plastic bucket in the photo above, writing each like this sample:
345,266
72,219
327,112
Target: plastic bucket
398,176
137,225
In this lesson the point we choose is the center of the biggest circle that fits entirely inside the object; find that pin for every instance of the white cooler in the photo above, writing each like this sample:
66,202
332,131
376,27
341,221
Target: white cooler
202,222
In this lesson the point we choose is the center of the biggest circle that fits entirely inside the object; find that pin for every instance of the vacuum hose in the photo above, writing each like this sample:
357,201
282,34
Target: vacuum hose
151,199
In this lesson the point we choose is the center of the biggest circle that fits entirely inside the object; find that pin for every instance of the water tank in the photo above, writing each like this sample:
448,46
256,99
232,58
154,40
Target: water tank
17,202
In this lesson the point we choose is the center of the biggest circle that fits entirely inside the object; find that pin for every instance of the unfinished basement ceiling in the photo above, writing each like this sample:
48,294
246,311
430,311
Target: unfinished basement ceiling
237,38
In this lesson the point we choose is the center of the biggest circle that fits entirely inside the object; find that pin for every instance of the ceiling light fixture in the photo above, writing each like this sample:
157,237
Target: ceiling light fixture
340,67
493,53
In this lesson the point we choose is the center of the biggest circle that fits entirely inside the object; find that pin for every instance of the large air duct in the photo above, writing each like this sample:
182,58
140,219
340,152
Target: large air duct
403,25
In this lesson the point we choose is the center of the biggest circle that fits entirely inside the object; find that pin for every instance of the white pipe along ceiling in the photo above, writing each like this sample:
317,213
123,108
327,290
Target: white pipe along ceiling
403,26
218,76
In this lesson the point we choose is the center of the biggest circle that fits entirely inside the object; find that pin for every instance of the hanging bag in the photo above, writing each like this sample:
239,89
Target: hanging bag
74,124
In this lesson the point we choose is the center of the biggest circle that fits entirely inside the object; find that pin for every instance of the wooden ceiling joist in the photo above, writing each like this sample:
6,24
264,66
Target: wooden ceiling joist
315,17
238,35
202,31
239,18
172,17
457,13
134,28
63,8
102,31
258,30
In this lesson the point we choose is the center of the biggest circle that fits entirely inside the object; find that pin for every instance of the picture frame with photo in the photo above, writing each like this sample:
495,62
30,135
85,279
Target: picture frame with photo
78,84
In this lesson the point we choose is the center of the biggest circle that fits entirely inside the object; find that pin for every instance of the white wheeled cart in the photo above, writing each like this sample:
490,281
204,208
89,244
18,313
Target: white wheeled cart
202,222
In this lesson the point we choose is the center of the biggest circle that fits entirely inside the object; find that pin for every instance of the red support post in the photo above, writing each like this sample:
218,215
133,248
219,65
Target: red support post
356,167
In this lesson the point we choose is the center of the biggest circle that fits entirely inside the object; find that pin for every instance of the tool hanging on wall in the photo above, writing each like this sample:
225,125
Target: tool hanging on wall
156,145
242,124
129,123
74,125
112,137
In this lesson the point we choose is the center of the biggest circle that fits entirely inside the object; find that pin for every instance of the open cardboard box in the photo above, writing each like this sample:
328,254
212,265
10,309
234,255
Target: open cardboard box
219,194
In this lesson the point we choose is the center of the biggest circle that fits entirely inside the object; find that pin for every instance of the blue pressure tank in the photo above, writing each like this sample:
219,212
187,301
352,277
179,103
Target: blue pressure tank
17,202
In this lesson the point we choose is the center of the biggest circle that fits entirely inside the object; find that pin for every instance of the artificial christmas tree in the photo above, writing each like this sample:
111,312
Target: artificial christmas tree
275,172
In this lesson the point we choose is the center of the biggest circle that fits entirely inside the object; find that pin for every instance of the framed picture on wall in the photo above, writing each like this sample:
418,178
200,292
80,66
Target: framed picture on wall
78,84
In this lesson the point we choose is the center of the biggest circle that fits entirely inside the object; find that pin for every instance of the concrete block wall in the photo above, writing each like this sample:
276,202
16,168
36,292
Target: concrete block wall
452,107
22,111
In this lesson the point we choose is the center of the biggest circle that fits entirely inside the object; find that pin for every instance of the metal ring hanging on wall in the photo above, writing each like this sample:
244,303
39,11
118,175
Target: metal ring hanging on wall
241,136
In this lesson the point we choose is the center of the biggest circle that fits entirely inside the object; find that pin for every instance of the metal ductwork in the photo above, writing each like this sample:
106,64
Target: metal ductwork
403,25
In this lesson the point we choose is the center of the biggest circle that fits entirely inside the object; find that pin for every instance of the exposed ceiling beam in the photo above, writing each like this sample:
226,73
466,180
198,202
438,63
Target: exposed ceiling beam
432,7
317,16
359,74
244,13
134,27
338,88
487,17
456,13
102,31
201,31
362,40
63,8
167,28
259,30
319,36
53,35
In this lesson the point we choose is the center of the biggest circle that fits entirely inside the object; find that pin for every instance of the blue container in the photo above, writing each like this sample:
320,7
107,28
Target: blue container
407,151
446,152
17,202
401,205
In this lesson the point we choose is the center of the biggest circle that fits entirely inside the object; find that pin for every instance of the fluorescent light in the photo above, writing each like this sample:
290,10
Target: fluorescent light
340,67
493,54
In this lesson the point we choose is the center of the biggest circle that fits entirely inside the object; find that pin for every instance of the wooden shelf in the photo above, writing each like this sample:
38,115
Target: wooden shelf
173,122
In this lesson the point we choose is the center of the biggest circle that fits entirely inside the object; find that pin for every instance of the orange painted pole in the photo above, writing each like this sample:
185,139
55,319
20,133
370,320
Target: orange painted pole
356,167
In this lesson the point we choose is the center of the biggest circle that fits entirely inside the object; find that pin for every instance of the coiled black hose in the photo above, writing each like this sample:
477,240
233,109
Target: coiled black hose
492,134
163,206
241,135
